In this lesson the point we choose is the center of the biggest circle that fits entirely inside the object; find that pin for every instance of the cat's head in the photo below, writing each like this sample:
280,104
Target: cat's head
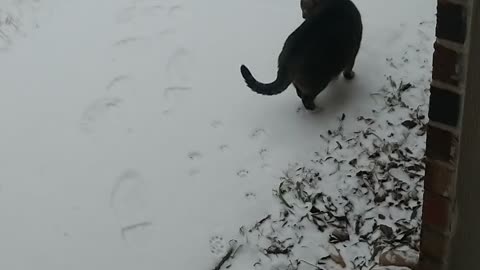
309,7
312,7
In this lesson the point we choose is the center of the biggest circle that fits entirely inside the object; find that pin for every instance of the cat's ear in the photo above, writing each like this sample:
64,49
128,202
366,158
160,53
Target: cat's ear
306,6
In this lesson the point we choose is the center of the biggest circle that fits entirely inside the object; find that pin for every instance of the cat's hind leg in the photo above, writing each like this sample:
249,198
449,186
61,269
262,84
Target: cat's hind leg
298,89
348,72
308,98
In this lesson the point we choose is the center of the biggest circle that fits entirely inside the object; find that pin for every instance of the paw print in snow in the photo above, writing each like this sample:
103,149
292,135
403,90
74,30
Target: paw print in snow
218,246
263,153
194,155
223,147
216,124
257,133
242,173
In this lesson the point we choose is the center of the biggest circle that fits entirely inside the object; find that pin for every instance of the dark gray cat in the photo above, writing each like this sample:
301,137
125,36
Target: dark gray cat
323,46
309,7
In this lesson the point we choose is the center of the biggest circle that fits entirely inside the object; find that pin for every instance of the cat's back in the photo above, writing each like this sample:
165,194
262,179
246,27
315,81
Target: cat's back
331,33
323,43
324,39
338,19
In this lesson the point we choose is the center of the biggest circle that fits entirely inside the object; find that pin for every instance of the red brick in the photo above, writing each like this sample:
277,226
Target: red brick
446,65
444,106
436,212
451,21
434,245
439,178
441,145
428,264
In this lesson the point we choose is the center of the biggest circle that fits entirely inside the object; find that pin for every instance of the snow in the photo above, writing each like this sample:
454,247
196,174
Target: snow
130,140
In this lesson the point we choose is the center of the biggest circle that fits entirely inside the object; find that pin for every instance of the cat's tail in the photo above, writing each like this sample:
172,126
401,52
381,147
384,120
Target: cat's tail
276,87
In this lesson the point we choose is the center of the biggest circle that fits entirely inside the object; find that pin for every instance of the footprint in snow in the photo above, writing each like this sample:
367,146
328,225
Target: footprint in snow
194,155
129,201
174,10
263,153
167,92
218,246
138,233
139,9
116,80
250,196
96,110
257,133
242,173
266,167
177,68
216,124
178,73
223,147
127,41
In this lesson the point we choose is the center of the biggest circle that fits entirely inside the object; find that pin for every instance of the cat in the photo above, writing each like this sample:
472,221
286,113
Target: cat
309,7
323,46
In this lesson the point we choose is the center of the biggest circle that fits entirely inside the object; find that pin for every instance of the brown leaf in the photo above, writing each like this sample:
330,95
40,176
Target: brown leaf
404,87
399,258
353,162
339,145
338,259
386,230
339,236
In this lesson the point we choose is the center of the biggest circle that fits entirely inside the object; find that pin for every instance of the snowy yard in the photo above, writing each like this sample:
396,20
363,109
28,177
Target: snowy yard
130,140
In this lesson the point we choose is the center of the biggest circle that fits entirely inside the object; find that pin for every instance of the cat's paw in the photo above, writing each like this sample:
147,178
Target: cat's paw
309,105
349,75
218,246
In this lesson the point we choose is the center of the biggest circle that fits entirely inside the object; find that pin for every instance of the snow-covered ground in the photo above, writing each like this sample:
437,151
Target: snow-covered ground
130,141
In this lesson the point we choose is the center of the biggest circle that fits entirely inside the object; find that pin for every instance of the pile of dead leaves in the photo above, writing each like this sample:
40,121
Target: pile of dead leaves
360,199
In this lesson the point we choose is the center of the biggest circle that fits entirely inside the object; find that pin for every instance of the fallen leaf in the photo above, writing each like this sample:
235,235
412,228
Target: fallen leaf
409,124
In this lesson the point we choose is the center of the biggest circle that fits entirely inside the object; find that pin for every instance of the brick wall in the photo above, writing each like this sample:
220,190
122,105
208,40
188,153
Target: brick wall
447,91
